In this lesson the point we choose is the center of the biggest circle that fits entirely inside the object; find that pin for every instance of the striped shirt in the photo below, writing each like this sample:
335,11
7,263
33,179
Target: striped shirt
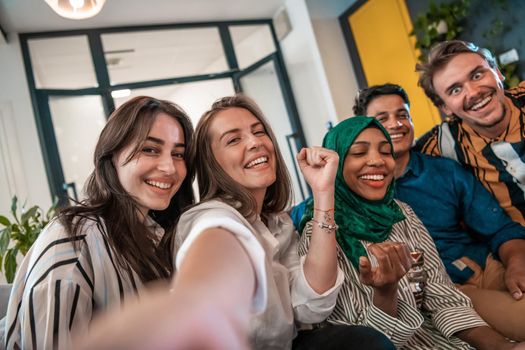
498,163
444,310
58,289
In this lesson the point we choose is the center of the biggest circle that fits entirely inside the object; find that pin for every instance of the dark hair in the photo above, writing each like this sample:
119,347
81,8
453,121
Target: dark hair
214,182
135,246
366,95
439,56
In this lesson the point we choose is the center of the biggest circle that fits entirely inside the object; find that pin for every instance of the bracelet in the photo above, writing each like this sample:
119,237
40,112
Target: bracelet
325,226
325,211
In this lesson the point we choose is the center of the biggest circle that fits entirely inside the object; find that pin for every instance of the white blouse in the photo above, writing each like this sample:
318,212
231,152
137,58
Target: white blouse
283,294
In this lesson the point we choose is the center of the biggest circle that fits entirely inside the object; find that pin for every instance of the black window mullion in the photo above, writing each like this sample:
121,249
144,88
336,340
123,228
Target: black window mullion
101,71
48,142
227,45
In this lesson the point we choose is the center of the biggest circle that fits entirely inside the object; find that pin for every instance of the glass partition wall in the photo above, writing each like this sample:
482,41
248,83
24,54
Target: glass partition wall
78,78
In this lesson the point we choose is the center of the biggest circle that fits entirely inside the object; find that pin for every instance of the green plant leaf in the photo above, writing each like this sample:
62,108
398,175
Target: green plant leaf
5,236
14,202
33,211
10,265
4,221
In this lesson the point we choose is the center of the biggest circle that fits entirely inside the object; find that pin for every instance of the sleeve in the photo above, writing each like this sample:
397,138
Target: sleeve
355,306
451,311
482,212
309,306
53,294
51,312
297,212
221,218
428,143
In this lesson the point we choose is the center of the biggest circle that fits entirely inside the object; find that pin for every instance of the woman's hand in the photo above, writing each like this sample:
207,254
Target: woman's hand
393,262
319,167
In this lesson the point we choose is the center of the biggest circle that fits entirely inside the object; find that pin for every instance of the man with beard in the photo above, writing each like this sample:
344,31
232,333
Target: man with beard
475,238
485,128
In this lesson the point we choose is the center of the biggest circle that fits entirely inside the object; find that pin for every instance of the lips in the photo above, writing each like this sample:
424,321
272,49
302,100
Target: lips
373,180
257,161
372,177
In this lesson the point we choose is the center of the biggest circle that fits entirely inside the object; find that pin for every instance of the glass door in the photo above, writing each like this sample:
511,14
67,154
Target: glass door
77,122
263,83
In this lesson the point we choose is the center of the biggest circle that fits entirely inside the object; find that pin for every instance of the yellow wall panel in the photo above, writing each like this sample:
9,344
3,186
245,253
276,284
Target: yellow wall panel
380,29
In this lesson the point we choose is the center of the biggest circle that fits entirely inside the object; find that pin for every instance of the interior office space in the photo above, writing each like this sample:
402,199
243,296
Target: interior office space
60,78
303,83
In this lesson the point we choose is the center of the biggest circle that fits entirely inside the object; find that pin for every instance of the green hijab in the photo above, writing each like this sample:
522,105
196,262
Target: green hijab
358,218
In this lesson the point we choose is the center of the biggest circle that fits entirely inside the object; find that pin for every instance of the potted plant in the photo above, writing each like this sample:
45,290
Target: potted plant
19,235
441,22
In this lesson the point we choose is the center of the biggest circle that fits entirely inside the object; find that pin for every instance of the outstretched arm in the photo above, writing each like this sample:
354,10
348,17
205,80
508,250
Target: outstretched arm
208,306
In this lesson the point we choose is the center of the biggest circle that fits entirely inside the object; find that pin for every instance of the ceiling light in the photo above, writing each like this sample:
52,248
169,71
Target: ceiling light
76,9
120,93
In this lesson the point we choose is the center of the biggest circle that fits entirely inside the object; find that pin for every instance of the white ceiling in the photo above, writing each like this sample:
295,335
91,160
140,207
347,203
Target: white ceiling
22,16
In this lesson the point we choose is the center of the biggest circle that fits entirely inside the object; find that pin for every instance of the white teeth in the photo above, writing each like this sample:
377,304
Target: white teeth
396,136
482,103
257,161
372,177
158,184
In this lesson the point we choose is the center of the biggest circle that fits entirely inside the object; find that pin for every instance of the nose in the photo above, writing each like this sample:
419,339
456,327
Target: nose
166,164
375,159
393,123
469,89
253,141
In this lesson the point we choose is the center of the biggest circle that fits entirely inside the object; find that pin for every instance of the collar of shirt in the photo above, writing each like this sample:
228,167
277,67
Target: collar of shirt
154,227
415,165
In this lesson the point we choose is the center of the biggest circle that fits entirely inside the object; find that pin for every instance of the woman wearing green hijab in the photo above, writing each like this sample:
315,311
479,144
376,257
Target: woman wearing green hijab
394,279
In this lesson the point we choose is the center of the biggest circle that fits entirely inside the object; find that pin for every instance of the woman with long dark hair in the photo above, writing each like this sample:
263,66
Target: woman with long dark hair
100,252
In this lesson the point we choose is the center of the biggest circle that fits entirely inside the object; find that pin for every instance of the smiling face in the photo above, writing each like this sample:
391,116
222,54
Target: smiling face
244,150
153,176
473,91
369,165
394,114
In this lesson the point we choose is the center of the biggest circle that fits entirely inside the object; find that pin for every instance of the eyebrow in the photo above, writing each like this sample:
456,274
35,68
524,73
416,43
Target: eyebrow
452,86
161,142
253,126
361,143
402,109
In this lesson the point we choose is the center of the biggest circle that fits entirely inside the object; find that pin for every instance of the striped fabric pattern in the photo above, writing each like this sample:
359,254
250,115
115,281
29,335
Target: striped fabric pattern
497,163
444,311
58,289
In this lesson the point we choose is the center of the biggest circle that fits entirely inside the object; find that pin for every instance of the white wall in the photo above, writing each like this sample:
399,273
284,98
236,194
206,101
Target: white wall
337,64
307,74
26,162
21,164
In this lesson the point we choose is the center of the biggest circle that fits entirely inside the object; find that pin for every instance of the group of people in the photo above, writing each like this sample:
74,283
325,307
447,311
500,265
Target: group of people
395,249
